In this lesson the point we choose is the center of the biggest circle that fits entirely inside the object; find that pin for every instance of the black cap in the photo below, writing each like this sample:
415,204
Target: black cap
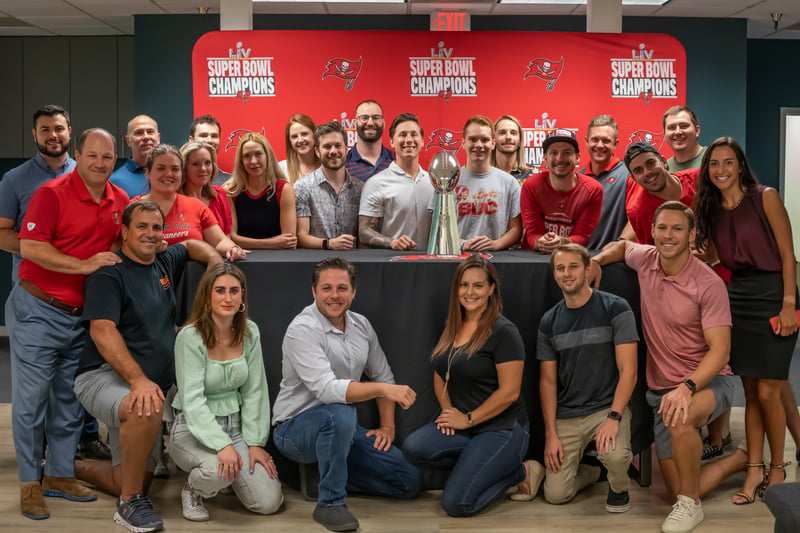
637,149
560,135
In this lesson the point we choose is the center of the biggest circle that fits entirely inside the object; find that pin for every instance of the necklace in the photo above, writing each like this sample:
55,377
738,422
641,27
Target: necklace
450,357
734,206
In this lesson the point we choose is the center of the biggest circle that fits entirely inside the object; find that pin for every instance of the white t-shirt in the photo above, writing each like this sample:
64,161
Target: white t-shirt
401,201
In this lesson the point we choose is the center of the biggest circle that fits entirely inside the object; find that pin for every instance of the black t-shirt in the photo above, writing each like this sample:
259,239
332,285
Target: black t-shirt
474,379
140,300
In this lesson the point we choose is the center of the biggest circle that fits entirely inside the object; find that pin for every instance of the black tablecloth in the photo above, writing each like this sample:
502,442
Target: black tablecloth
406,302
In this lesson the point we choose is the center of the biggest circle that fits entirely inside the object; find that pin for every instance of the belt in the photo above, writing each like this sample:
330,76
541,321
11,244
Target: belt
36,292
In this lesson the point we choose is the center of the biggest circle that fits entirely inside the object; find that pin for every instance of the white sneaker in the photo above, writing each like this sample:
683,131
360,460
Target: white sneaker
193,508
685,516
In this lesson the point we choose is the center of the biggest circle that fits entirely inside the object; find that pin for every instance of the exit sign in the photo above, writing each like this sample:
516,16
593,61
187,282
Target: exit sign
449,21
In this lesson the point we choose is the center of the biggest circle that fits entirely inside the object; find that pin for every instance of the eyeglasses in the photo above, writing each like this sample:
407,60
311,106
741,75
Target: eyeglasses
365,118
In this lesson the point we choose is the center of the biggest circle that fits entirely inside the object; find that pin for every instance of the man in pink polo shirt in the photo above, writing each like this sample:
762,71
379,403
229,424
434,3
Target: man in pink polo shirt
687,326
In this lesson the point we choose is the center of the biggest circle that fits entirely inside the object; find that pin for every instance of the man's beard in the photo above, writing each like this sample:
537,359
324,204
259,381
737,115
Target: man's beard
44,150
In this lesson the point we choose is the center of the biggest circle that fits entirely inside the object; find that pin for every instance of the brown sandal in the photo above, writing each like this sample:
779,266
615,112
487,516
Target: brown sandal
765,485
750,498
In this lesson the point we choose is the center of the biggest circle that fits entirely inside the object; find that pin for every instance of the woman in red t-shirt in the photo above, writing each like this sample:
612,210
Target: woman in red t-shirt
184,218
199,170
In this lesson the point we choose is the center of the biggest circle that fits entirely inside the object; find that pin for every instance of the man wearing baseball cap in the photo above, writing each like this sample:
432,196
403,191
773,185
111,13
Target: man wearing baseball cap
559,205
656,185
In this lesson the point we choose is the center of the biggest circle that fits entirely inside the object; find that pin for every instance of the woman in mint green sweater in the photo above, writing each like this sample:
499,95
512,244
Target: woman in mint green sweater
222,420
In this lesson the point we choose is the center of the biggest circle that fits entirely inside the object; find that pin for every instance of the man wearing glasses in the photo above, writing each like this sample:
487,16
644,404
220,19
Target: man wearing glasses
368,156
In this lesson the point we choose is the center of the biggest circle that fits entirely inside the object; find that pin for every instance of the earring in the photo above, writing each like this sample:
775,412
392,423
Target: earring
242,308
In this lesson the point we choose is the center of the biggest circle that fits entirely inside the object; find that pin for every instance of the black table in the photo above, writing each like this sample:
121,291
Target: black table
406,302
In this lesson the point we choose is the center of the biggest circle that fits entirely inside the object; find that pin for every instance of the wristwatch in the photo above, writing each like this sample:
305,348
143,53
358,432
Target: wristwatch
469,418
324,244
613,415
691,385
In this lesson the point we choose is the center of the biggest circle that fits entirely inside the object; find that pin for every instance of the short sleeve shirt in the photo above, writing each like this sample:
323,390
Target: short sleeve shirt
401,201
361,169
641,205
130,178
675,312
17,187
329,214
140,300
614,179
188,219
485,203
583,342
64,214
473,379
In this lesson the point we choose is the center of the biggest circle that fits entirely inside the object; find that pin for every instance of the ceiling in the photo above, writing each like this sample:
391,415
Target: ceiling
115,17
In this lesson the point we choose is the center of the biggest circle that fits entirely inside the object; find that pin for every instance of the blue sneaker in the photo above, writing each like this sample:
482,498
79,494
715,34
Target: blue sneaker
137,515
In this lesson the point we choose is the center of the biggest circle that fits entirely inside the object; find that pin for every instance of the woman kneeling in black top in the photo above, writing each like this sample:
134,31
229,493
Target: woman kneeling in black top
481,434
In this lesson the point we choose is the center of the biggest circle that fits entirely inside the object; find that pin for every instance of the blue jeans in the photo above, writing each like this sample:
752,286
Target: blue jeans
45,345
330,435
483,466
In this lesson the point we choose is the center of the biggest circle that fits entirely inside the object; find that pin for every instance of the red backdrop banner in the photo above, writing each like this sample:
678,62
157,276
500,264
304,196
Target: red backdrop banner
255,80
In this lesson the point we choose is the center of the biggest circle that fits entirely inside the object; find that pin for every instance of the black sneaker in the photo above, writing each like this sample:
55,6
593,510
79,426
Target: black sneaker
95,449
137,515
711,451
618,502
335,517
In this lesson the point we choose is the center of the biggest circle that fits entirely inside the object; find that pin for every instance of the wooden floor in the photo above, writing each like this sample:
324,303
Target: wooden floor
423,515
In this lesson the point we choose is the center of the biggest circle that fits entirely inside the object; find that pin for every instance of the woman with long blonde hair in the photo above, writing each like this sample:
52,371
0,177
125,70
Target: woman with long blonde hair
262,207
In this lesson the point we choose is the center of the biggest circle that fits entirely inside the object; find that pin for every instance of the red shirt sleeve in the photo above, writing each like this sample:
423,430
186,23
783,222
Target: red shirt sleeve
207,218
531,214
41,218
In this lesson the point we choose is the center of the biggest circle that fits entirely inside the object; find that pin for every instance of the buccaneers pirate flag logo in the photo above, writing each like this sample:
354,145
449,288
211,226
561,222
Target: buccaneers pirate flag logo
344,69
236,136
445,139
648,137
546,70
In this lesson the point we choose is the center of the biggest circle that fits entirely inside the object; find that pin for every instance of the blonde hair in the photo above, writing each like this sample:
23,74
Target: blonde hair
188,149
239,177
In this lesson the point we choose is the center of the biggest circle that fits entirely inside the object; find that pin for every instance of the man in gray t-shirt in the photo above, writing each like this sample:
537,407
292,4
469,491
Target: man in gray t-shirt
587,345
487,199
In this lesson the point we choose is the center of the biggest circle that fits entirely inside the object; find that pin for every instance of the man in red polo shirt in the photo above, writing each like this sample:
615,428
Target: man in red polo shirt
68,231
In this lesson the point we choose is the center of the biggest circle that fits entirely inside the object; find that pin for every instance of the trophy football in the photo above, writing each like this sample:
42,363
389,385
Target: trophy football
444,171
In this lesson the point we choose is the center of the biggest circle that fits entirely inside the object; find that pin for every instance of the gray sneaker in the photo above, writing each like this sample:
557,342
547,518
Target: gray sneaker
138,516
193,508
335,517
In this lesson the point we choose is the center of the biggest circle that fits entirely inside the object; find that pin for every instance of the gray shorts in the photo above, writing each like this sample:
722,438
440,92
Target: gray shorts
101,392
721,386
